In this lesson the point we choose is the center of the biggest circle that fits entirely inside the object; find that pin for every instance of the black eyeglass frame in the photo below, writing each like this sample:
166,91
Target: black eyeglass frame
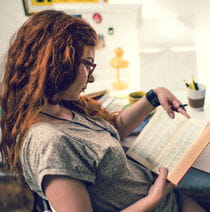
90,64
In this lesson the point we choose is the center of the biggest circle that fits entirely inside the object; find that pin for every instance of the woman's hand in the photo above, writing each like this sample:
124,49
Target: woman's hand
130,118
169,102
161,187
156,193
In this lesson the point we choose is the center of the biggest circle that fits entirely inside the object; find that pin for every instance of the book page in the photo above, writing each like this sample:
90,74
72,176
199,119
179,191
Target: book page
155,137
191,155
165,140
181,143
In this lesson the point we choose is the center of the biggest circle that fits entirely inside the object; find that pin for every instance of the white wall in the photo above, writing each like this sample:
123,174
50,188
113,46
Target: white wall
11,18
181,23
193,29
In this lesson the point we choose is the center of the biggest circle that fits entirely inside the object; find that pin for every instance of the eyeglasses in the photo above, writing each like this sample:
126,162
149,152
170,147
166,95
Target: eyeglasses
89,65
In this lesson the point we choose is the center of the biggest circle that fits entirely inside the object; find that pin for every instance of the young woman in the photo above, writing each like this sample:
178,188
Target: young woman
68,146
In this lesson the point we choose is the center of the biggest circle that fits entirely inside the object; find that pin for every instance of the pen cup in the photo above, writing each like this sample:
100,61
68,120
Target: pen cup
135,96
196,98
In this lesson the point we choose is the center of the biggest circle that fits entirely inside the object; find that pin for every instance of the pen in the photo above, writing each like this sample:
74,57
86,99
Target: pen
195,84
192,85
187,85
180,106
183,106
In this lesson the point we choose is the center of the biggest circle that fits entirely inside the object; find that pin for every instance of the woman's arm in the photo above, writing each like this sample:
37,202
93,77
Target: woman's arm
131,117
68,195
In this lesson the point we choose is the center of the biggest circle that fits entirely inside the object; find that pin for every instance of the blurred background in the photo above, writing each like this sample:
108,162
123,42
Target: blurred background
164,41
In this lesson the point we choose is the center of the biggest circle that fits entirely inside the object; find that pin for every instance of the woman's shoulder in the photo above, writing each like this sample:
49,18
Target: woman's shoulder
42,133
43,128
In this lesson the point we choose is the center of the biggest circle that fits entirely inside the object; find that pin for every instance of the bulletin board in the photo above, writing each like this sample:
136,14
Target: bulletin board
33,6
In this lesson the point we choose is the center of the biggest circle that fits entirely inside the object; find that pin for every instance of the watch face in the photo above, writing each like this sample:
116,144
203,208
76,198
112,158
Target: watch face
152,98
155,102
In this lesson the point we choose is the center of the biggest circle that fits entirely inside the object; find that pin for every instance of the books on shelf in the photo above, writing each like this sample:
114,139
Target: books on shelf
173,143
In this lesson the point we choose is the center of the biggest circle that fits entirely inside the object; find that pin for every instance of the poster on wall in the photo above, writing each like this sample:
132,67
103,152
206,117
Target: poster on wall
33,6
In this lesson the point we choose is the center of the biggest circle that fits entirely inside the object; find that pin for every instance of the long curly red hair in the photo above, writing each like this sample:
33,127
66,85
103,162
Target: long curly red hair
42,60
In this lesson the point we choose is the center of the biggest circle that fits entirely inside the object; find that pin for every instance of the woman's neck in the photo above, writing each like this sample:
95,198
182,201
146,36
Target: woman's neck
58,111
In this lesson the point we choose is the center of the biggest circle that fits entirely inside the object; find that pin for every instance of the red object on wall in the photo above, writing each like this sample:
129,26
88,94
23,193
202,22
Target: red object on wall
97,17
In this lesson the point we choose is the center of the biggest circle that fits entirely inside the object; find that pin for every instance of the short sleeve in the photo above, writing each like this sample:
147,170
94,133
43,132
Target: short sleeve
48,151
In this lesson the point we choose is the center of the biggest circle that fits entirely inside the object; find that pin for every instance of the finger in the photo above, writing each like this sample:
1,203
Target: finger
169,110
163,171
170,185
177,106
181,109
163,174
183,112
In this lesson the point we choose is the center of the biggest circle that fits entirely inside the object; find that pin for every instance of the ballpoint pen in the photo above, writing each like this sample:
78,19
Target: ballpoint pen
183,106
180,106
187,85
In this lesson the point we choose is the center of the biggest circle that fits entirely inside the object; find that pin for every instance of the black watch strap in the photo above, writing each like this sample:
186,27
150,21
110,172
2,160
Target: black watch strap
152,98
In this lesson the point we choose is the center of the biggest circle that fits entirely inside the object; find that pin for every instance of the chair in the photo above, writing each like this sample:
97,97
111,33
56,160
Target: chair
40,205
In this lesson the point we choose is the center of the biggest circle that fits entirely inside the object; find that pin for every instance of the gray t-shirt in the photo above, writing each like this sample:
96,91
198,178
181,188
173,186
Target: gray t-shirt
88,150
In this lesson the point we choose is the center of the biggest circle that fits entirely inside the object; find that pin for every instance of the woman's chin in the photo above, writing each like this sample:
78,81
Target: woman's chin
72,98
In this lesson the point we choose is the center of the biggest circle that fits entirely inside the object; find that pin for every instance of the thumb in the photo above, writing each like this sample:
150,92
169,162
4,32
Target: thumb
163,172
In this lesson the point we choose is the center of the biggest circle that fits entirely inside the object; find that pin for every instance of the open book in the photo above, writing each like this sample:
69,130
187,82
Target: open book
172,143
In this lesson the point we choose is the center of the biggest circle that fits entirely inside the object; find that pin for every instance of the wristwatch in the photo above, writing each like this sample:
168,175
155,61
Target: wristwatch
152,98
